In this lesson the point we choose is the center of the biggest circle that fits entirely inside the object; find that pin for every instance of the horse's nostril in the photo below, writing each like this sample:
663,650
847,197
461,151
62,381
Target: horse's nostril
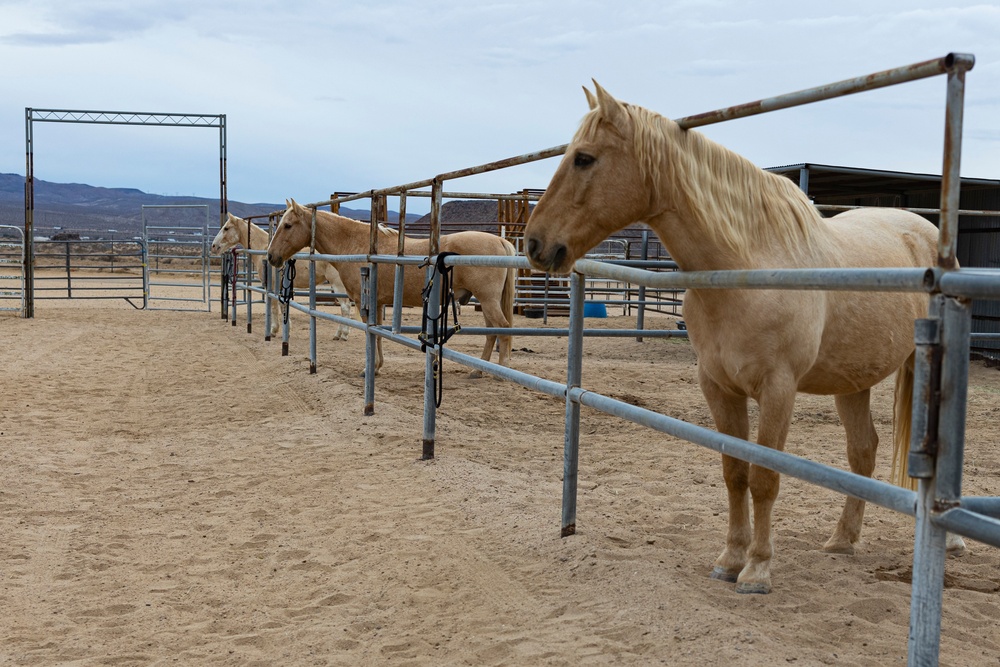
532,247
559,255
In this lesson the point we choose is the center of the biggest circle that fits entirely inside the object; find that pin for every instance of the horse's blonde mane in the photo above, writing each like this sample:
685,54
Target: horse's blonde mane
736,203
305,214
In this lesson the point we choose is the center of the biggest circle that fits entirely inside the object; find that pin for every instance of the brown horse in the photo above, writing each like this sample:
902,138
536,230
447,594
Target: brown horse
713,209
237,231
337,235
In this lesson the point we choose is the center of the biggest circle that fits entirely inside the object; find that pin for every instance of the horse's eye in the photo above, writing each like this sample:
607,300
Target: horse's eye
583,160
288,225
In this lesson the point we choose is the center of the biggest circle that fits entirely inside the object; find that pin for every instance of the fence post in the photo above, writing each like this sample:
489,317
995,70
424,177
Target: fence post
247,294
232,286
145,276
227,266
270,279
433,312
366,311
69,275
640,317
941,491
286,307
397,299
312,316
574,378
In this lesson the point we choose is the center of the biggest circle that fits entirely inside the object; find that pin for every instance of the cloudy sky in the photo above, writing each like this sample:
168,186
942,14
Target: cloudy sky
323,96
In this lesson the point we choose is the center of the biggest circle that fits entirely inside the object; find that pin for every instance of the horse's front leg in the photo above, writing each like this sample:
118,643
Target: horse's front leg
263,274
276,315
730,414
776,404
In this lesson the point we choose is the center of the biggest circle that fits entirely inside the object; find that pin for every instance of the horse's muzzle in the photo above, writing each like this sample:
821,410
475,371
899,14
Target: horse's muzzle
550,260
274,260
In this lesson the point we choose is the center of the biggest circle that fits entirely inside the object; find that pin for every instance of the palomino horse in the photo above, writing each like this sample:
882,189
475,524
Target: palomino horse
337,235
238,231
713,210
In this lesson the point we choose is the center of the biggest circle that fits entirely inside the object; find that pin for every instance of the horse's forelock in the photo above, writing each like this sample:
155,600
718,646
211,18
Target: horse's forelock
291,214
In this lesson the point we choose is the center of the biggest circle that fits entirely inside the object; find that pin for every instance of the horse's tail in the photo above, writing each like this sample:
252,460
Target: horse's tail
510,284
902,415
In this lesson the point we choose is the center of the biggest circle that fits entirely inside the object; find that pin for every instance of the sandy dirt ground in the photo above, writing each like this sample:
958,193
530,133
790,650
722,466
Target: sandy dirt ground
174,491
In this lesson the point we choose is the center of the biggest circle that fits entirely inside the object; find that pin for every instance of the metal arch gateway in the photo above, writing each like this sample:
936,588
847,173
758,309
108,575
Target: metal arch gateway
94,117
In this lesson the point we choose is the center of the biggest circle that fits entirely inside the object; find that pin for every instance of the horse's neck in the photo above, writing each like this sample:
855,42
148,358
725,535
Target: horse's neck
713,222
688,247
258,238
336,235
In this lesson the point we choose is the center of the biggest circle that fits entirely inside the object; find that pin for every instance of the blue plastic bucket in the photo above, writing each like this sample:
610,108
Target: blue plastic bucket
591,309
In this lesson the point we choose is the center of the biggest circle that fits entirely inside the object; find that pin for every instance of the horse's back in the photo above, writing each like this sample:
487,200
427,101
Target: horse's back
883,237
483,281
473,243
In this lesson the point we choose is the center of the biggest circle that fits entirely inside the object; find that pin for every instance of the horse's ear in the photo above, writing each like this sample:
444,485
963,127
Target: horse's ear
610,108
591,100
288,203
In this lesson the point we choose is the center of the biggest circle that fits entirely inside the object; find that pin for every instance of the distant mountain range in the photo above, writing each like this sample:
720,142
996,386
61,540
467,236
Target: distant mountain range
79,207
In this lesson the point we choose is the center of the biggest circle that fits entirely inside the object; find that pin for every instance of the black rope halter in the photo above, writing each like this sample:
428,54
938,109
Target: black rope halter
434,331
228,271
287,292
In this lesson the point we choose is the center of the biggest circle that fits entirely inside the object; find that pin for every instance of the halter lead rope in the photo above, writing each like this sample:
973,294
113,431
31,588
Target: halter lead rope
228,271
287,291
233,276
439,332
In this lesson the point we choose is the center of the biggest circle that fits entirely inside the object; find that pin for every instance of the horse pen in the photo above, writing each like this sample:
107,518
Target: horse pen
176,491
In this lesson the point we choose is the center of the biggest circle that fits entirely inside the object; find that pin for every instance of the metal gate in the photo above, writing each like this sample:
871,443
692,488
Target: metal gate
11,269
177,260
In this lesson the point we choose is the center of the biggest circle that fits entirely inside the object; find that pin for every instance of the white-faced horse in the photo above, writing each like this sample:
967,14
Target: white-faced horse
337,235
237,231
713,209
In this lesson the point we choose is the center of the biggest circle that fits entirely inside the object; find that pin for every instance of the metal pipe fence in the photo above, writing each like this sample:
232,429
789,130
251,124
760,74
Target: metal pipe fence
90,269
12,269
937,505
176,258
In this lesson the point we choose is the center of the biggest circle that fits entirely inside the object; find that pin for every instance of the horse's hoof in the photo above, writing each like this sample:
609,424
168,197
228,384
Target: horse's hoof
955,546
845,548
721,574
753,588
